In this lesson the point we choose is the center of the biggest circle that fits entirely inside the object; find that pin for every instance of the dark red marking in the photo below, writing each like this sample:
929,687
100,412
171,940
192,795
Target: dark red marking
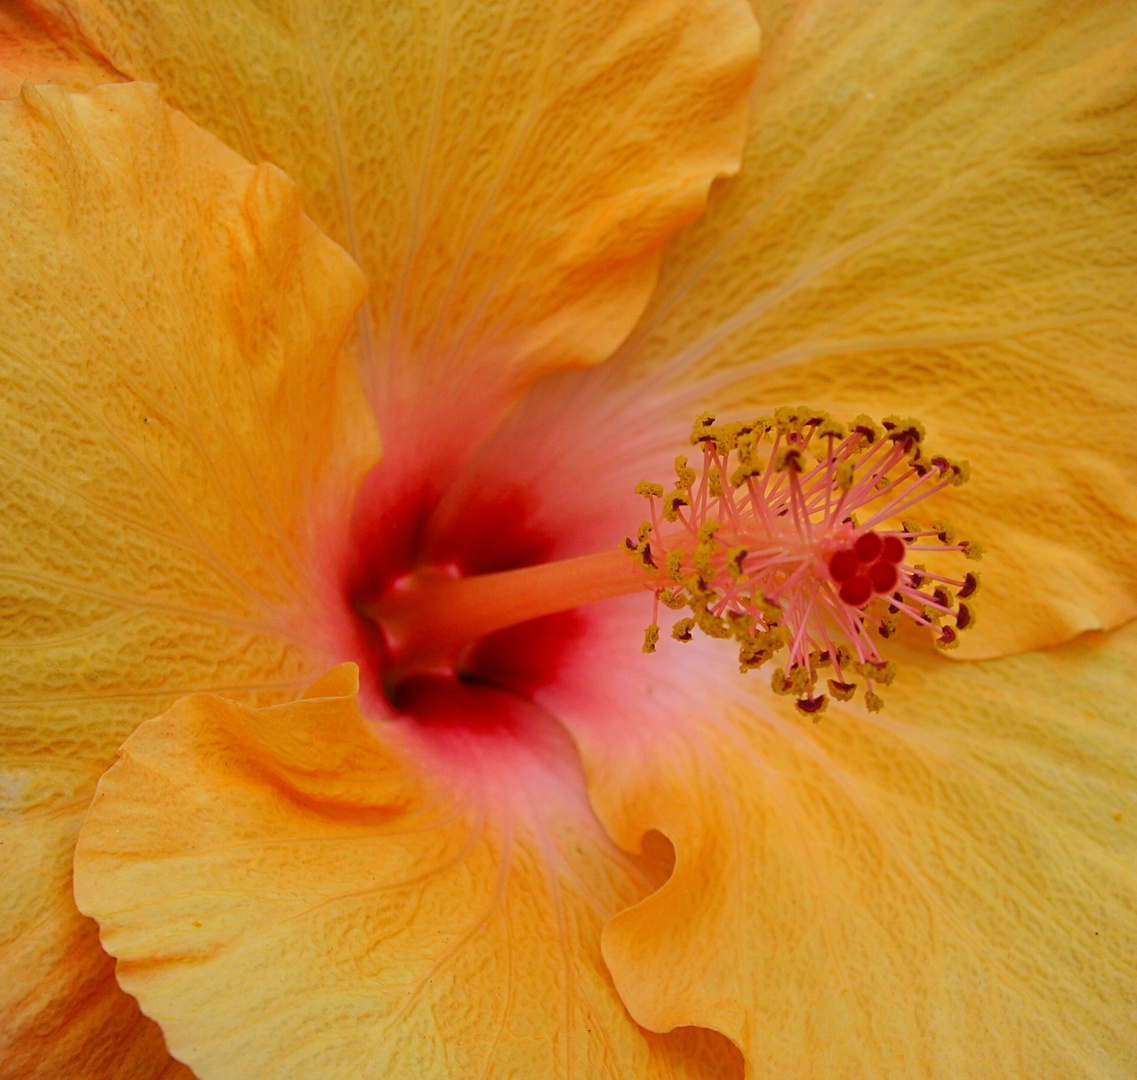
868,547
843,565
395,529
883,576
894,550
523,658
856,591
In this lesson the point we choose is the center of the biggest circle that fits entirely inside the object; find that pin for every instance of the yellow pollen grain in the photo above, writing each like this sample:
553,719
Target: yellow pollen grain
686,476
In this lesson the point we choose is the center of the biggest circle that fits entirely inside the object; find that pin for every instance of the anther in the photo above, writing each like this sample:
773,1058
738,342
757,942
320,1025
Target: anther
907,430
789,457
685,475
840,690
681,631
676,601
943,597
814,706
865,427
671,504
944,532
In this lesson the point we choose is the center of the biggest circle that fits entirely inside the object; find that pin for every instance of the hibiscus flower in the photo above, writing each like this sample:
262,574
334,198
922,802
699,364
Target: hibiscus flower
228,440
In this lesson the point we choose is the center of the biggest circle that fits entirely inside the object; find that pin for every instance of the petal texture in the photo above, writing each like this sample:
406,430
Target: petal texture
180,429
937,215
505,173
944,890
40,45
401,934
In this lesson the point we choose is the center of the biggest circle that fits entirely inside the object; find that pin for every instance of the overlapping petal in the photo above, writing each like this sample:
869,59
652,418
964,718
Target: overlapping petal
937,215
404,932
504,173
945,889
40,45
182,432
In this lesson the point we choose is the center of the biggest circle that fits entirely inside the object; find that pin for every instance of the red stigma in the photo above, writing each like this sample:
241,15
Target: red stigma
894,550
857,591
869,566
868,547
843,566
883,576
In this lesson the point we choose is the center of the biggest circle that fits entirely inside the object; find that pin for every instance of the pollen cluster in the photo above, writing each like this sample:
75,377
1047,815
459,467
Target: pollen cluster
764,545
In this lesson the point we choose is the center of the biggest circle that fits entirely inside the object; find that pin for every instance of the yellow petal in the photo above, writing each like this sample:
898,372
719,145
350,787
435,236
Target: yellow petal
945,889
505,174
173,394
40,46
937,215
286,898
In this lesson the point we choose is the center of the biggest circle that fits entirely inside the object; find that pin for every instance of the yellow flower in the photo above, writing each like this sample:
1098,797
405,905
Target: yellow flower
576,860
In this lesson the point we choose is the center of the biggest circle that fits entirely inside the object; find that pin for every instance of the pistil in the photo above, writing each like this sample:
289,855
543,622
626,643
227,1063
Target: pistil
762,545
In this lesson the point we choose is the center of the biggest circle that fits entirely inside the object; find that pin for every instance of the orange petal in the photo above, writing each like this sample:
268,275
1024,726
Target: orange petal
937,215
941,890
64,1014
173,392
505,174
40,45
286,898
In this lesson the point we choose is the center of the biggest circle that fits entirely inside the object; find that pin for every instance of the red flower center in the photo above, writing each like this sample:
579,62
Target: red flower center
397,539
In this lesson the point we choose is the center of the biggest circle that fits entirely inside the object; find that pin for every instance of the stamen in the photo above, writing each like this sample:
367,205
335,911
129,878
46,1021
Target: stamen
784,564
